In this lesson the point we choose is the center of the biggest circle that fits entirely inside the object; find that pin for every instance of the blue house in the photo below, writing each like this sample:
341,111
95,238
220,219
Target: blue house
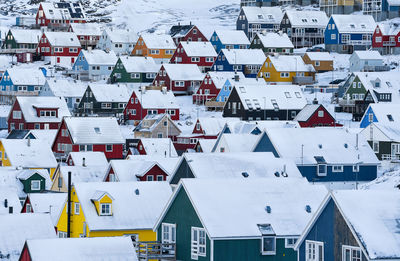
229,39
383,113
20,81
334,157
353,225
239,79
247,61
94,65
254,20
347,33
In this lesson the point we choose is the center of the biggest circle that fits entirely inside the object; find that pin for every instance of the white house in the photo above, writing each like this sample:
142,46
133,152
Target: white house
366,61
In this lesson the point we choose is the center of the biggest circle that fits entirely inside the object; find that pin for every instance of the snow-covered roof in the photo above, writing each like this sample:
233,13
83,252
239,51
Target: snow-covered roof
213,126
29,153
47,136
139,64
157,99
9,180
307,112
368,55
100,57
199,49
51,203
158,41
235,37
266,15
62,39
373,215
275,40
92,158
17,228
241,205
247,127
85,29
83,249
135,205
206,145
167,163
307,19
219,78
29,103
130,170
26,36
66,88
389,27
243,142
336,146
110,92
389,82
382,110
244,56
93,173
290,63
121,35
183,72
354,23
271,96
319,56
10,195
159,147
26,76
63,10
94,130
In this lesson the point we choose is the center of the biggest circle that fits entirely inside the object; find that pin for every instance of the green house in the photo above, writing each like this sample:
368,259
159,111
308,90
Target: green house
22,39
238,219
34,181
354,88
134,69
272,43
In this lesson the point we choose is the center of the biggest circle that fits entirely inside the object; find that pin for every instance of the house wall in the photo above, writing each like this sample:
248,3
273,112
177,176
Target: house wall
224,92
25,255
324,66
141,49
218,45
200,96
49,51
365,119
354,89
192,37
182,171
154,171
255,44
275,76
185,59
315,120
366,173
27,184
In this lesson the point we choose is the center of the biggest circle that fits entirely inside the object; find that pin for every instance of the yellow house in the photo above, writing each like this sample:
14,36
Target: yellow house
104,209
287,69
159,47
27,154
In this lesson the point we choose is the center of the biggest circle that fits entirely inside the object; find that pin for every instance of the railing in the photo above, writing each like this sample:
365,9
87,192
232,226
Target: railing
19,93
358,42
17,50
155,250
303,80
378,68
215,104
307,35
389,43
390,157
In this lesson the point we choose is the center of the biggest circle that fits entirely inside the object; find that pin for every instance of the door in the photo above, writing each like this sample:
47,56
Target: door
46,126
58,59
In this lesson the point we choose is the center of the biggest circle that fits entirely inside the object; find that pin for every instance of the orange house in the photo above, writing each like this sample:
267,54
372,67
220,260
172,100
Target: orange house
159,47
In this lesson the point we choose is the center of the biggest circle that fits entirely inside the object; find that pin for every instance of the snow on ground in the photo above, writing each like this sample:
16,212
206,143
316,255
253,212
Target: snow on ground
389,179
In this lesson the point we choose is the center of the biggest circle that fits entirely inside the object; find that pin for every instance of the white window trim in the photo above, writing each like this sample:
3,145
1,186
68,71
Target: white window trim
317,244
76,208
101,208
171,239
351,248
340,170
195,245
265,253
35,181
322,174
287,245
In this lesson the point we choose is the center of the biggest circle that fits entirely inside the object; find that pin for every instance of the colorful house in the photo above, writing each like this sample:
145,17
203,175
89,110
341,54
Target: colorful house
179,78
272,43
382,113
121,41
148,102
367,61
348,33
200,224
287,69
316,115
157,46
322,61
112,209
86,158
229,39
88,34
21,40
386,38
247,61
58,15
237,80
94,65
155,147
157,126
183,33
337,231
89,134
134,69
201,54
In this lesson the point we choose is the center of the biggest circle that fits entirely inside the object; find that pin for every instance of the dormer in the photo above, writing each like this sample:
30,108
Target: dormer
103,203
45,111
376,83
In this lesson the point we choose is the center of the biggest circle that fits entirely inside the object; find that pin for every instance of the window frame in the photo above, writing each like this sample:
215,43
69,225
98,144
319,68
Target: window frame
35,182
101,209
316,244
351,249
270,252
337,170
77,208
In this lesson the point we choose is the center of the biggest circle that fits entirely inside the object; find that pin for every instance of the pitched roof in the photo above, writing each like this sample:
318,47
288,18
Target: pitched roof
63,10
168,164
121,35
93,173
82,249
29,103
110,92
130,170
244,56
100,57
307,112
9,181
307,19
26,36
236,37
381,112
275,40
158,41
290,63
180,30
157,99
63,39
368,55
139,64
65,88
51,203
131,210
94,130
242,142
199,49
19,75
269,15
319,56
85,29
47,136
17,228
10,195
389,82
185,72
213,126
241,204
389,28
354,23
159,146
92,158
219,78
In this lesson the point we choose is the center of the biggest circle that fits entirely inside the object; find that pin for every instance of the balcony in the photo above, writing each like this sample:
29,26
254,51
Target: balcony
303,80
358,42
391,157
370,68
389,43
155,251
308,35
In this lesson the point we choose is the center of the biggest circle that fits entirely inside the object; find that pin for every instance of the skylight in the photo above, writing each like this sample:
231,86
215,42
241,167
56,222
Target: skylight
298,95
242,89
390,117
97,130
352,26
266,229
287,94
260,16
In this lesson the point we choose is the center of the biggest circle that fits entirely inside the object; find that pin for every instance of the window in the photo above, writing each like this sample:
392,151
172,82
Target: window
179,84
370,117
314,251
109,147
350,253
135,76
168,232
317,63
17,115
333,36
35,185
76,208
320,114
345,38
375,146
160,177
195,59
378,39
322,169
149,178
390,117
268,245
105,209
356,168
337,168
290,242
198,242
62,234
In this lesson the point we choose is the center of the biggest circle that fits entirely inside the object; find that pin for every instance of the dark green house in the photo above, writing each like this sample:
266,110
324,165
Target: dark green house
18,39
134,69
272,43
107,100
238,219
34,181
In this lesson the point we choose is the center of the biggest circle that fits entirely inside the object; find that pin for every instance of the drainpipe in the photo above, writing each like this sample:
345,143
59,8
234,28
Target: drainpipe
69,206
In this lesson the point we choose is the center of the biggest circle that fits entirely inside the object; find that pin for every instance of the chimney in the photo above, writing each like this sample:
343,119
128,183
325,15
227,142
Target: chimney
315,101
236,77
29,141
10,210
6,203
83,162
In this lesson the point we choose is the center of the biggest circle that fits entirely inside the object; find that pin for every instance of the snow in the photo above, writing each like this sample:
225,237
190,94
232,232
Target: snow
120,35
53,11
130,211
236,142
62,39
368,55
319,56
382,110
138,64
83,249
85,29
18,76
92,158
275,40
158,41
159,147
183,72
100,57
131,170
65,88
290,63
110,92
354,23
213,126
269,15
244,56
153,99
307,112
93,173
219,78
51,203
9,194
26,36
198,49
389,82
232,37
240,205
307,19
167,163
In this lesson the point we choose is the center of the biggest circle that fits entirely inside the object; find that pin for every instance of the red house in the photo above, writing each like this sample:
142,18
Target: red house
155,147
386,38
315,115
88,34
135,170
143,102
200,53
59,47
186,33
57,16
89,134
37,112
179,78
